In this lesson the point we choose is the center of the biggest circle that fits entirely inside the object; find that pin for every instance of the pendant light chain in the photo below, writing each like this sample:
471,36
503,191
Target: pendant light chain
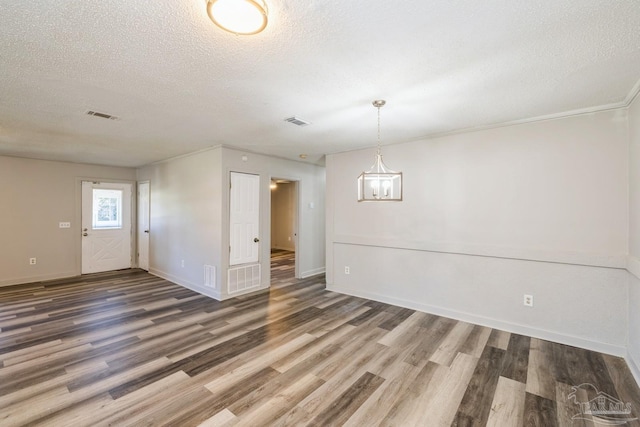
378,152
379,103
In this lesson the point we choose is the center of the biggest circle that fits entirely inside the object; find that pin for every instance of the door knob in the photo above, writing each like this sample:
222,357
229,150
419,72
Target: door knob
85,234
256,240
84,229
146,231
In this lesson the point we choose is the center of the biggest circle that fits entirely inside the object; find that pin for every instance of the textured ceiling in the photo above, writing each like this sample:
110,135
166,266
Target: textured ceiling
180,84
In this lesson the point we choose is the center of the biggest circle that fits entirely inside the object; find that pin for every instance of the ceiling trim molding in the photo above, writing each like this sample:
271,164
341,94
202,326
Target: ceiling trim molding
545,118
623,105
180,156
633,94
274,156
574,113
229,147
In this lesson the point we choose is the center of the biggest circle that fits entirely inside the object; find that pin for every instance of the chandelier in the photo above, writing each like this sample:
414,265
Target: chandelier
379,184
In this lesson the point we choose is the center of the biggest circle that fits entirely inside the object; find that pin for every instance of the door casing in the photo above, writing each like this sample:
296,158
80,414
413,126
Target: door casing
143,228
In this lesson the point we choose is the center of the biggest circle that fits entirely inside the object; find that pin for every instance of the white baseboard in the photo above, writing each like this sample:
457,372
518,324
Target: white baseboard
284,248
250,291
40,278
187,284
488,322
313,272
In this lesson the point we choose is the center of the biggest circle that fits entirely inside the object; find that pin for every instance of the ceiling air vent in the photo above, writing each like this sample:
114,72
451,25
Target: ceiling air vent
297,121
102,115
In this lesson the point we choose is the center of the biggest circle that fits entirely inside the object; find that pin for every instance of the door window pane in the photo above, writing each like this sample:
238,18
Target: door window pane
107,208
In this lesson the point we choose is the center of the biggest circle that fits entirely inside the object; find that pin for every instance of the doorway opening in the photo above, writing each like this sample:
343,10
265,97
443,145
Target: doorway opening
284,229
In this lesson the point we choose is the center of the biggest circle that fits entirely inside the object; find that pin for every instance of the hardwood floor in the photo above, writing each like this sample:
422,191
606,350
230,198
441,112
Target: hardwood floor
128,348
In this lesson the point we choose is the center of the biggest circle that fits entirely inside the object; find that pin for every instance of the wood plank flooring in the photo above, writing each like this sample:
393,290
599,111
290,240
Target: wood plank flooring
128,348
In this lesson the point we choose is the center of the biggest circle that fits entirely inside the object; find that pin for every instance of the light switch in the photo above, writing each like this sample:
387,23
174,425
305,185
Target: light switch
312,205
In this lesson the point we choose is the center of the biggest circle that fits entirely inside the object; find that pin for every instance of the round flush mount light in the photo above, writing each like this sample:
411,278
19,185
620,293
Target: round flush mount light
242,17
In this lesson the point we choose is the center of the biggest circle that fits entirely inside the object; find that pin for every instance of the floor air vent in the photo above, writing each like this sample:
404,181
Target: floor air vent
243,278
210,276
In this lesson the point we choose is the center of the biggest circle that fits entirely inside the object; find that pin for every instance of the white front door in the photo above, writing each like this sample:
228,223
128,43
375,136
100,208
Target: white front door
106,226
143,225
244,201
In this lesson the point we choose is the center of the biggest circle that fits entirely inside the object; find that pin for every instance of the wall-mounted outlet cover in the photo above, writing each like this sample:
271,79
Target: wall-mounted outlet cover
528,300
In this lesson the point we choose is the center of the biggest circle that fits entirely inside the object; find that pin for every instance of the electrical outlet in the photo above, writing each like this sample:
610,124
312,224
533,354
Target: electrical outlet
64,225
528,300
32,261
182,263
347,271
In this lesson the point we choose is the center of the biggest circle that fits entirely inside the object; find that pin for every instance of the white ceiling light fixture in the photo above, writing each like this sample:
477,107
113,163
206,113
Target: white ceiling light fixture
379,184
241,17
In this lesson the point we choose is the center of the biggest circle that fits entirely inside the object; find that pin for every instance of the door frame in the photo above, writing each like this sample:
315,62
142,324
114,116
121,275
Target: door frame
137,234
76,226
265,220
296,220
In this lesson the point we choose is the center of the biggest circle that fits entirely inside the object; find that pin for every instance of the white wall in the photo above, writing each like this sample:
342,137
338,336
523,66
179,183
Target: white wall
310,249
36,195
185,218
190,215
538,208
634,238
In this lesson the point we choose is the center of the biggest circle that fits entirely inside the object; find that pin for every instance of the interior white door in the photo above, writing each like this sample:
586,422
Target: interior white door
106,226
244,201
143,225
